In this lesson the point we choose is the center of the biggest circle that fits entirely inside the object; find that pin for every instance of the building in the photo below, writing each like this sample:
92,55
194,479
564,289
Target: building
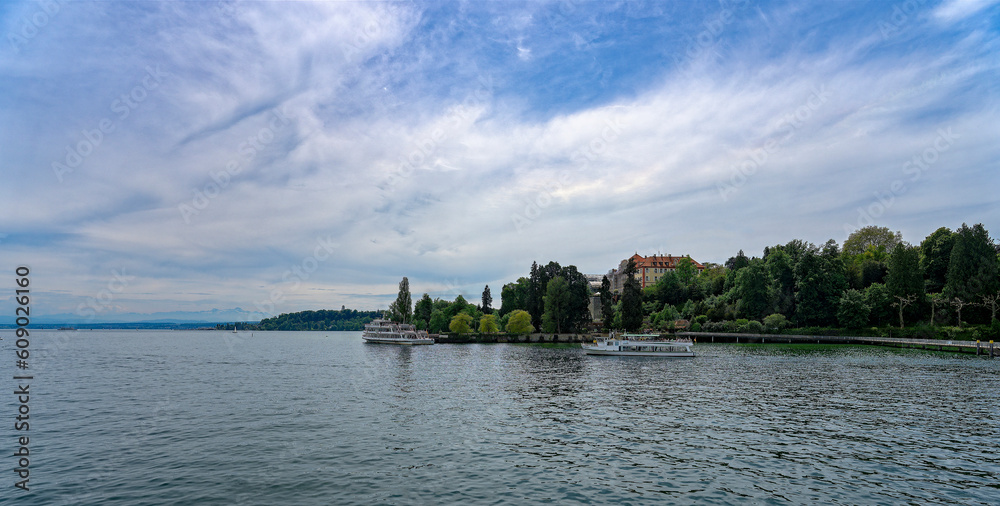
648,269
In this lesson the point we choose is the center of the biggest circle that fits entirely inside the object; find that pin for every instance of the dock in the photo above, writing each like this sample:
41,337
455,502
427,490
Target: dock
972,347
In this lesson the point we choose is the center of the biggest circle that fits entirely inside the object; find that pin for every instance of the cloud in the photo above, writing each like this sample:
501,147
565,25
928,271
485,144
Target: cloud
310,155
955,10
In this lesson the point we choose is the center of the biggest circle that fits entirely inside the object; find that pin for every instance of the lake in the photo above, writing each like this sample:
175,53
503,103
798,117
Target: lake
211,417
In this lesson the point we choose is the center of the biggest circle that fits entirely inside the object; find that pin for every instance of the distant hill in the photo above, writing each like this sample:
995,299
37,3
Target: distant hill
323,319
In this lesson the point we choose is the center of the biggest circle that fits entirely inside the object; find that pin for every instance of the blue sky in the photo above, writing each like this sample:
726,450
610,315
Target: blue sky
281,156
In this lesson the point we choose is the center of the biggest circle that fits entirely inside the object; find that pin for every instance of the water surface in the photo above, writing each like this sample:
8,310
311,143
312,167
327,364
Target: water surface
162,417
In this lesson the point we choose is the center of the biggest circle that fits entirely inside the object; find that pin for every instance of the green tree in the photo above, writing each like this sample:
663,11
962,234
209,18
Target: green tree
972,270
487,301
935,256
852,311
488,324
686,271
557,300
631,309
775,322
520,322
819,282
879,304
780,271
607,311
669,289
438,322
905,280
423,309
402,309
461,324
752,290
737,262
863,238
515,295
578,310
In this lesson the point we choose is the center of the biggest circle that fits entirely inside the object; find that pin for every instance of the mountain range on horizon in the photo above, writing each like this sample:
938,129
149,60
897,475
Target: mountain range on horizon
213,316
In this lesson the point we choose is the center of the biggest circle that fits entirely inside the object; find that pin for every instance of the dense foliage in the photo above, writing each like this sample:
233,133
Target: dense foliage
324,319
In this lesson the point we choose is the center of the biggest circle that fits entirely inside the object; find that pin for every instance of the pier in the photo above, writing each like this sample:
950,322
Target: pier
973,347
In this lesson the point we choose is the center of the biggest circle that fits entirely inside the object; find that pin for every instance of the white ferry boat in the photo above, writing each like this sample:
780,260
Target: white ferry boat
639,345
387,332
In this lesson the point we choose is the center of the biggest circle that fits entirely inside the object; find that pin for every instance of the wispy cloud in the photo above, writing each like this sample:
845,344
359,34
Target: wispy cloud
457,143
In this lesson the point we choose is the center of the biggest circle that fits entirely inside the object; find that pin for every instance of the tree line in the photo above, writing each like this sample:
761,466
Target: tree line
875,280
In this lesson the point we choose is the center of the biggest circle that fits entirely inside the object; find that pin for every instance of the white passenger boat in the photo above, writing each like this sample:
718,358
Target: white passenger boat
387,332
640,345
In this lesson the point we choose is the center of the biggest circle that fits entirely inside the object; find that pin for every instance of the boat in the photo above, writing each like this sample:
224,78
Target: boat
640,345
385,331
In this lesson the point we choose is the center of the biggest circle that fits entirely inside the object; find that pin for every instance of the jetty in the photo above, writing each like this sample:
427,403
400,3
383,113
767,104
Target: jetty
973,347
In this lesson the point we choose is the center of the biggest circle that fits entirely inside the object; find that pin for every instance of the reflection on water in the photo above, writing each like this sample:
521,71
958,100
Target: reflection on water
319,418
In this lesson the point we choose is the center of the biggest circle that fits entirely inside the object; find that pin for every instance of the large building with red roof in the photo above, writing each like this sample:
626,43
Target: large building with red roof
648,269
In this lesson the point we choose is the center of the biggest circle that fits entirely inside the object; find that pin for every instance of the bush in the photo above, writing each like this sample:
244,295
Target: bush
696,327
701,319
775,322
741,325
755,327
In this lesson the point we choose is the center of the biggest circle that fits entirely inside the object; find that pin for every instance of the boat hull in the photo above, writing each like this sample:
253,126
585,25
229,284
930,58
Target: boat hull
407,342
683,354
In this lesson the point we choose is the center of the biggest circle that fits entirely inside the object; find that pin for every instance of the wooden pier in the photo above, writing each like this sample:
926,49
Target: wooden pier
972,347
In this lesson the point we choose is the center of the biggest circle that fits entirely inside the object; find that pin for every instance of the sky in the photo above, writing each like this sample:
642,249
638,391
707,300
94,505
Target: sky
257,158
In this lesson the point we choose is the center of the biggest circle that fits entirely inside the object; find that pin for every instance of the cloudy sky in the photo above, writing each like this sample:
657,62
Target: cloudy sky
282,156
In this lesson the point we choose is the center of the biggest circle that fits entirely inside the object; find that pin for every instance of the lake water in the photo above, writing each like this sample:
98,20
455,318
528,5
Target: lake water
199,417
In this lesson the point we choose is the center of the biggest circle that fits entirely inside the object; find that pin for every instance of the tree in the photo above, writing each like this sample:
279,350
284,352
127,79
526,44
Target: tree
578,311
607,311
775,322
819,283
935,256
877,299
752,290
515,295
991,301
423,309
905,277
669,289
520,322
972,270
557,300
686,271
779,270
461,324
536,284
631,298
902,302
737,262
488,324
852,311
438,322
487,301
402,309
863,238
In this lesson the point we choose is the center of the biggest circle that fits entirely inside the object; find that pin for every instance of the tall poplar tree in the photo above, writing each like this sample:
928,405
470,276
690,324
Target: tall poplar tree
487,301
631,298
607,310
402,309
